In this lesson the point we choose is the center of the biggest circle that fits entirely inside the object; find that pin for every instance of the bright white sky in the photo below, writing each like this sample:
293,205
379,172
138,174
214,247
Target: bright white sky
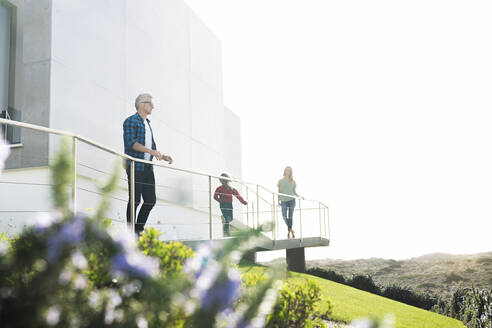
382,108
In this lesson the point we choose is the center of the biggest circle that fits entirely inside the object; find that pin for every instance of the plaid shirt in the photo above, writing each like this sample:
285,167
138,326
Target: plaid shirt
134,131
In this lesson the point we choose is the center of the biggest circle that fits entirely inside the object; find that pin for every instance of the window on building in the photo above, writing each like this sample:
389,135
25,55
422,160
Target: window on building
7,29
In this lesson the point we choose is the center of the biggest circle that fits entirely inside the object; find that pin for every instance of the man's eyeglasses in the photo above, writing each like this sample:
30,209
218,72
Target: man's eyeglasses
147,102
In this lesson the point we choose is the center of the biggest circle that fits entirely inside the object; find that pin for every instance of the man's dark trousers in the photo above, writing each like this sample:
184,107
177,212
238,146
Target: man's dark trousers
144,188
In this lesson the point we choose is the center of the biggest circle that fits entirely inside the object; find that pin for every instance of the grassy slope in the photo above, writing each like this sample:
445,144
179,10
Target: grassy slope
438,273
350,303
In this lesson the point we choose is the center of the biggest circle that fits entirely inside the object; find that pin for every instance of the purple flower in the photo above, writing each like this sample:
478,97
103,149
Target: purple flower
224,291
71,233
134,262
197,264
44,220
122,238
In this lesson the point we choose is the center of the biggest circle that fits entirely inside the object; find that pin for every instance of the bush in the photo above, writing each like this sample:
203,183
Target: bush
298,306
251,279
408,296
171,255
327,274
364,282
470,305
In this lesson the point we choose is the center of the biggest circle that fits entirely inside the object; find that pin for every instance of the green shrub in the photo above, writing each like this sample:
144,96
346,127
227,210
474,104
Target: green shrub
470,305
406,295
364,282
98,269
171,255
251,279
326,274
298,306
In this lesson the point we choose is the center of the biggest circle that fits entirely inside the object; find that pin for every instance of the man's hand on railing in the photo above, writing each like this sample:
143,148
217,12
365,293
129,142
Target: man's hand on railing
156,154
167,158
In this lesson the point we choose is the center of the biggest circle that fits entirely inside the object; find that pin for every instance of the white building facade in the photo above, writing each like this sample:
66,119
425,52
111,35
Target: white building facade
77,65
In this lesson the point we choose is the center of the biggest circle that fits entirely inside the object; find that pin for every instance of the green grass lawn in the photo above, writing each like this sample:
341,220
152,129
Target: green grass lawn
350,303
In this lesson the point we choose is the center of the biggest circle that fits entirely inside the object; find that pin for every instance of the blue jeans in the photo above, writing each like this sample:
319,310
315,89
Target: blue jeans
288,211
227,213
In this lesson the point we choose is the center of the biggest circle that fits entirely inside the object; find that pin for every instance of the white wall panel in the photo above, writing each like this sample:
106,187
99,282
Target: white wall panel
207,120
89,38
232,143
206,54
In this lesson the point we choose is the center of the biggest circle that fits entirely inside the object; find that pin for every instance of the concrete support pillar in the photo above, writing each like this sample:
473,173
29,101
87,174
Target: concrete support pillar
296,260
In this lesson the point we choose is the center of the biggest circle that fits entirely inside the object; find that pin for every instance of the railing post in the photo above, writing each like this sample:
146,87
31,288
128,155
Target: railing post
328,222
74,174
247,207
324,220
253,214
300,218
210,206
257,205
320,225
132,196
274,225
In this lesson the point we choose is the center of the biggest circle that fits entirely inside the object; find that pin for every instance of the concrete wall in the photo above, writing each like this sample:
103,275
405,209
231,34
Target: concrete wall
101,54
30,90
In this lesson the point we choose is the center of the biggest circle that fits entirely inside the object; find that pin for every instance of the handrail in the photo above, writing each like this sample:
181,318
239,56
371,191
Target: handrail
125,156
110,150
291,196
138,160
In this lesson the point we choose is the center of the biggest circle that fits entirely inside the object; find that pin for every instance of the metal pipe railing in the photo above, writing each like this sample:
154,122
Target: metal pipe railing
74,174
210,207
75,138
132,196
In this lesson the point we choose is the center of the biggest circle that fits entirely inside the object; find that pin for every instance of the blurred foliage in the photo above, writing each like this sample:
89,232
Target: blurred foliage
69,270
298,306
470,305
172,255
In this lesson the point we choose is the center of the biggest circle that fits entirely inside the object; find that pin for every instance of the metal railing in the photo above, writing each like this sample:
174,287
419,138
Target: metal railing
262,205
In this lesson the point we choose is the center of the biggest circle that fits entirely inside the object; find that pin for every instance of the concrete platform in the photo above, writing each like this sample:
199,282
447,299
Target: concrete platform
294,248
266,244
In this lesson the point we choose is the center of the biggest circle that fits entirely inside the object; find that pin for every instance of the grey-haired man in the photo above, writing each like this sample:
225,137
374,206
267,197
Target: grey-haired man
139,143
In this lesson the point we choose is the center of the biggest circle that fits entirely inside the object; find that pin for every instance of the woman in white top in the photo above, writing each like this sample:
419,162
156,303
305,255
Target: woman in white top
287,186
